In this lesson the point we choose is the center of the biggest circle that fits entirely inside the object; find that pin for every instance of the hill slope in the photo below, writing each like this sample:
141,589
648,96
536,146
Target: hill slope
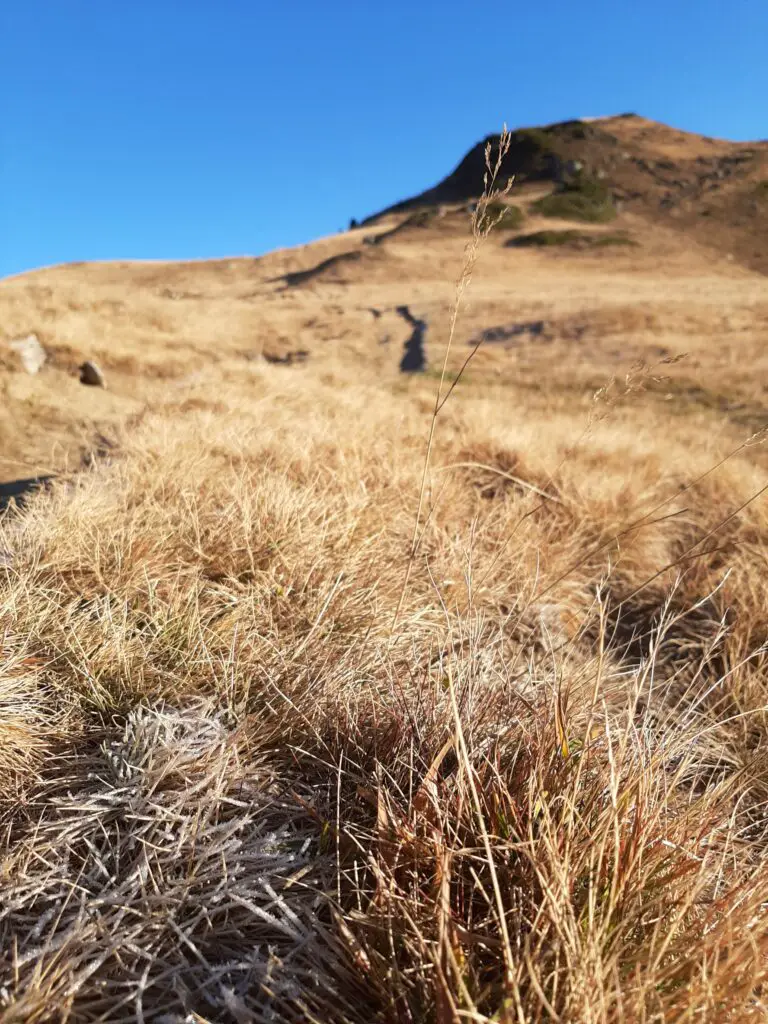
709,189
267,753
656,278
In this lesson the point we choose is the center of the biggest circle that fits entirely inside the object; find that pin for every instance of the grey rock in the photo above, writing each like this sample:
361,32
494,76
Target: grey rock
29,353
91,374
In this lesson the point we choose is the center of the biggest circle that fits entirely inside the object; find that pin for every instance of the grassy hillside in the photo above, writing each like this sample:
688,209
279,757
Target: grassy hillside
703,188
264,758
228,771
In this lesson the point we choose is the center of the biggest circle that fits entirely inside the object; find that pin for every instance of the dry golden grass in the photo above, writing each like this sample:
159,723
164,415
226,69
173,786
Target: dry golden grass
233,792
269,753
154,326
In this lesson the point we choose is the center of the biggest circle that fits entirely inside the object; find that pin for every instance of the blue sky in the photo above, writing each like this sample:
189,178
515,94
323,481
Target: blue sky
206,128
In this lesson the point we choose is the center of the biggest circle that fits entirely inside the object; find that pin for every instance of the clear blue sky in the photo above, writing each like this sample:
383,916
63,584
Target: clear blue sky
204,128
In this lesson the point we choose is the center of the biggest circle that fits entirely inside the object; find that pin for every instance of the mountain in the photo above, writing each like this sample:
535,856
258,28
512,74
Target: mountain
714,190
621,240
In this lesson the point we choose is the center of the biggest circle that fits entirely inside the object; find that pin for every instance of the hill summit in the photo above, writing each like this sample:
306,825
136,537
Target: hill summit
711,188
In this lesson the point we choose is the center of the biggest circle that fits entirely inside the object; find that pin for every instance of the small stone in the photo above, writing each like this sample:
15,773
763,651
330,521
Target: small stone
30,353
91,374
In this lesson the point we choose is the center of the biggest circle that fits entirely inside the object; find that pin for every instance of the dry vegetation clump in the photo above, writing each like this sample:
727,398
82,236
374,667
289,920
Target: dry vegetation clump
269,753
234,791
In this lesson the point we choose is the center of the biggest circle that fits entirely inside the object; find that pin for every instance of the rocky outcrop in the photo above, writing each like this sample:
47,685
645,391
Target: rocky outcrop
27,353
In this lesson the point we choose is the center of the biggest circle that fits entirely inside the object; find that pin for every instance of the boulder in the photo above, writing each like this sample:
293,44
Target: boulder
28,352
91,374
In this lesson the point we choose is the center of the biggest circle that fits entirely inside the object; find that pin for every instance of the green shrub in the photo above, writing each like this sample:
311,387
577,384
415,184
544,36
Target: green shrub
546,238
543,239
584,199
501,216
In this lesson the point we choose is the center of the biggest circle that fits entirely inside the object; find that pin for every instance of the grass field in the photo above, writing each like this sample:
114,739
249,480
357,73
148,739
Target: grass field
264,758
236,781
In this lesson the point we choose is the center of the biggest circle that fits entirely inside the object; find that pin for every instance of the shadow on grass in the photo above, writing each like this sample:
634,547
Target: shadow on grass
16,493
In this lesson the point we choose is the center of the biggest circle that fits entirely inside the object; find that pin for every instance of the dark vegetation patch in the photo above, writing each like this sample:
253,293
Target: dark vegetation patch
569,237
501,217
582,198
